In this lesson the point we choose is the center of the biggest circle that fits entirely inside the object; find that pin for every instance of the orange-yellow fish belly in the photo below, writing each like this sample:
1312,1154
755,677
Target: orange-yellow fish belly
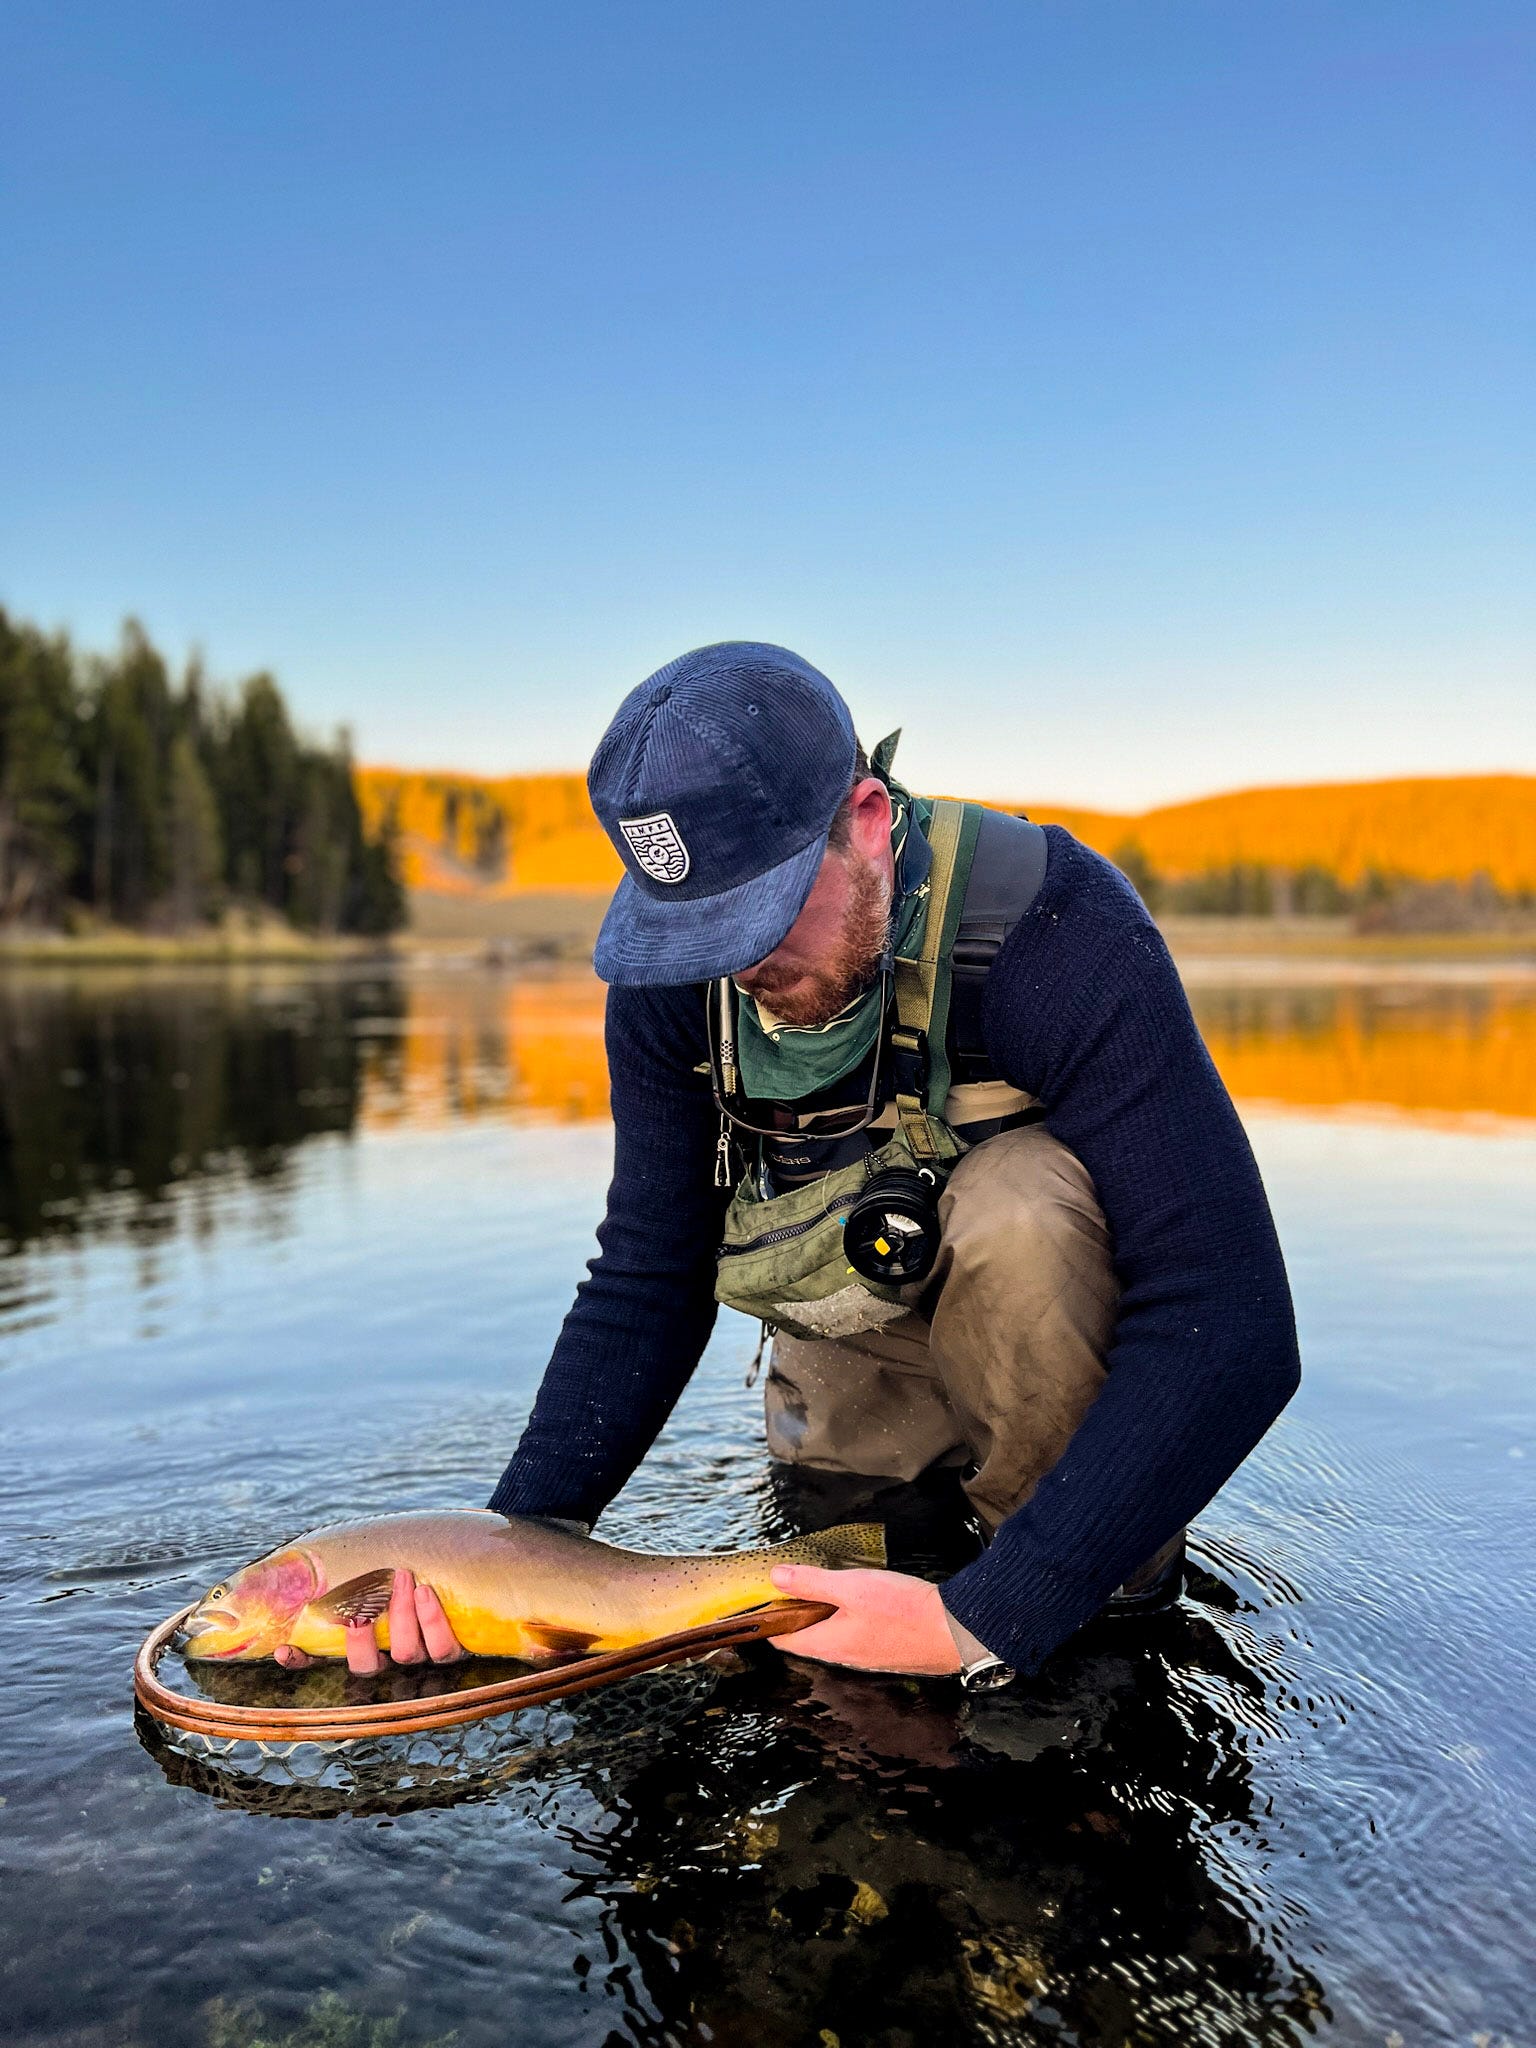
634,1613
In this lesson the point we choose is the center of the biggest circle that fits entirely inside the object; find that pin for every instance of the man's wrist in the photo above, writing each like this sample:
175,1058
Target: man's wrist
971,1647
981,1669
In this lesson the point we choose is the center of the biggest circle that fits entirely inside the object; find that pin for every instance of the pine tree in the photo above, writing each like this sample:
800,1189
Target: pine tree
197,846
1130,857
41,791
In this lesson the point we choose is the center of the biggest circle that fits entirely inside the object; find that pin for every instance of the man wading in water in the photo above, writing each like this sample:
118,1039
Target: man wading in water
928,1075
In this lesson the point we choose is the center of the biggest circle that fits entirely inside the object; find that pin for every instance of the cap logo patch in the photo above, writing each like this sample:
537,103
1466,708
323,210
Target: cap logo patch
657,846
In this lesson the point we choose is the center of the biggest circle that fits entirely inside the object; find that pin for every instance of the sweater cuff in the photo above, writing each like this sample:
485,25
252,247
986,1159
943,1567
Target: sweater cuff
553,1492
1022,1606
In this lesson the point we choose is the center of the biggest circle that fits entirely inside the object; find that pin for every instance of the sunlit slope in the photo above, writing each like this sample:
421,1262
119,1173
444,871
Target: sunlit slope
469,835
1424,828
474,835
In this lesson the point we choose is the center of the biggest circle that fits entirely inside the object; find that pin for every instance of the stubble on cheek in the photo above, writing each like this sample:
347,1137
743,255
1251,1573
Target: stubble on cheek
814,997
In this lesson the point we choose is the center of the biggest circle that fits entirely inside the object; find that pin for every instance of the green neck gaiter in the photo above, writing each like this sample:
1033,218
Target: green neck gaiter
788,1062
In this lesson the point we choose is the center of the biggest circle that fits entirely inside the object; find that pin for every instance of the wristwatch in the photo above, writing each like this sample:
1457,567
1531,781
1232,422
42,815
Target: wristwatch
979,1671
986,1674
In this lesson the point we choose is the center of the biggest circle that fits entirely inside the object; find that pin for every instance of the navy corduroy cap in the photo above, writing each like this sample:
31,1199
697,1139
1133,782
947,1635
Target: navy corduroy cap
717,782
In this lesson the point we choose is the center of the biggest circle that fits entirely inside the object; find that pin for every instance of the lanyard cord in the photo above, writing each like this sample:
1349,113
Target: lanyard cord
724,1076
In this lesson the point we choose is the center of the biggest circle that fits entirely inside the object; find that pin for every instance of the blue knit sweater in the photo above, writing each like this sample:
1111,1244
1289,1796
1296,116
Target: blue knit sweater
1084,1010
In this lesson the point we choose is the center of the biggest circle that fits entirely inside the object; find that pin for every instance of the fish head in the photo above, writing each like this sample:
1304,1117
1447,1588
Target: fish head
253,1611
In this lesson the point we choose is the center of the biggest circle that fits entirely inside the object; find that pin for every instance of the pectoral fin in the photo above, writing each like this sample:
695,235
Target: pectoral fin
361,1599
564,1642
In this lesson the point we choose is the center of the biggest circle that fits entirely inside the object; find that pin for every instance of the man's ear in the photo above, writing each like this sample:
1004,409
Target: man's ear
869,817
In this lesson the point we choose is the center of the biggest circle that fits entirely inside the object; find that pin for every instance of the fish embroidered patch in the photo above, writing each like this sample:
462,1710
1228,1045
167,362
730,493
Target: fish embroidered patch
657,846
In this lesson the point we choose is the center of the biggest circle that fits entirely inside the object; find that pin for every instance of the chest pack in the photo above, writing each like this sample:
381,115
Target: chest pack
833,1222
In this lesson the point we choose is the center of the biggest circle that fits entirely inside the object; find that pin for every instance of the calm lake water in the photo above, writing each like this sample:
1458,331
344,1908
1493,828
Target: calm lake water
279,1249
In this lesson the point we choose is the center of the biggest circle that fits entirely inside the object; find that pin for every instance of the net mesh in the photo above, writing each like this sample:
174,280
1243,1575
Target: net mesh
440,1766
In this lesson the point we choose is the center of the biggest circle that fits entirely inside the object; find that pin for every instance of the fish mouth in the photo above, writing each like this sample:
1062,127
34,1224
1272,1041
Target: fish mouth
199,1625
197,1628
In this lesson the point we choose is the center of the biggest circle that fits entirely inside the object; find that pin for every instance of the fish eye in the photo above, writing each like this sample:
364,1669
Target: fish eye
218,1593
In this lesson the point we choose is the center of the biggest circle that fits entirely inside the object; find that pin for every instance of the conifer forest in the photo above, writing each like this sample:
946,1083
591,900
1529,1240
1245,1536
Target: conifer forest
131,796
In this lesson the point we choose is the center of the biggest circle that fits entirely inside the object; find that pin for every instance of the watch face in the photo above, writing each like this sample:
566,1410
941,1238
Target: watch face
987,1675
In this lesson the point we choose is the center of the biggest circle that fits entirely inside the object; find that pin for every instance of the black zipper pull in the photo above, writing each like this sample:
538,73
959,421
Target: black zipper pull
723,1156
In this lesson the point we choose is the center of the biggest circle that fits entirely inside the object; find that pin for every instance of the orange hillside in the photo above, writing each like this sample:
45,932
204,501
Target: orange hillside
471,835
1427,828
468,835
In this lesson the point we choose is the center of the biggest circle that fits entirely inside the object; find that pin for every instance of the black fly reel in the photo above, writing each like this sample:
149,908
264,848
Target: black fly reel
891,1233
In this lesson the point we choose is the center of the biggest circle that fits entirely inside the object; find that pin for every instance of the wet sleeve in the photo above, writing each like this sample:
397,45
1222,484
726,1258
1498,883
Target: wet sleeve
643,1314
1084,1008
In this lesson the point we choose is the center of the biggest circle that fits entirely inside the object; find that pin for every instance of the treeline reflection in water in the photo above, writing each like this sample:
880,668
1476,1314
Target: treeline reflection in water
116,1091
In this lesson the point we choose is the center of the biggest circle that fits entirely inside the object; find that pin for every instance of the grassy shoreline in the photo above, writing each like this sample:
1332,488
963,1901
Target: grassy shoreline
559,928
117,947
1332,938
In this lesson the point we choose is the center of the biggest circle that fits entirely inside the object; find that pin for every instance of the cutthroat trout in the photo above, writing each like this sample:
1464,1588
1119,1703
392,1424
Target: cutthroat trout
510,1587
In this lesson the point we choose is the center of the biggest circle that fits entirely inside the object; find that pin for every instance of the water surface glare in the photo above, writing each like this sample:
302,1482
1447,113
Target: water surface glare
280,1249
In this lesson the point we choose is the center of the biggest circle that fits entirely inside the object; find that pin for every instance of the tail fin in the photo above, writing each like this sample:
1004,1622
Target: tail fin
852,1543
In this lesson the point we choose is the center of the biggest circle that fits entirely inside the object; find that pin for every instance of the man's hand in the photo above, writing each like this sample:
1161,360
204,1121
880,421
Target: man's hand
885,1621
418,1630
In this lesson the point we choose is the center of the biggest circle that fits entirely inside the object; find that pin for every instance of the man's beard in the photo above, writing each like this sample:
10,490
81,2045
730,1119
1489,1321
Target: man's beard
814,999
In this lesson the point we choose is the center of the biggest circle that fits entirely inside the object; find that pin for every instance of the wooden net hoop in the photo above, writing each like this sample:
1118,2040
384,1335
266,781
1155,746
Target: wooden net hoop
267,1726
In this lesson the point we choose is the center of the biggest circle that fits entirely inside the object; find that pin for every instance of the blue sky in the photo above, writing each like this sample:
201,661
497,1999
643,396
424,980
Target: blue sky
1129,400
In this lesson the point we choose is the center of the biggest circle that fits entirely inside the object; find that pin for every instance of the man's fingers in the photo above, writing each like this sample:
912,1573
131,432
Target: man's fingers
405,1643
443,1646
418,1629
363,1653
807,1582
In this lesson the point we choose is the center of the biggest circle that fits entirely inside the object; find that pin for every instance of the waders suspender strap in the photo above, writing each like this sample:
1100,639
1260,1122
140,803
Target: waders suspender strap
919,1061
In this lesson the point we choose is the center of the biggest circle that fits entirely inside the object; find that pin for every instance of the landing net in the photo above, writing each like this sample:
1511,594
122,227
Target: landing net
326,1752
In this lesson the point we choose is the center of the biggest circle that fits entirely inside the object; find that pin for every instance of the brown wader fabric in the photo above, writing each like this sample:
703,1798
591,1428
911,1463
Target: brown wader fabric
1001,1356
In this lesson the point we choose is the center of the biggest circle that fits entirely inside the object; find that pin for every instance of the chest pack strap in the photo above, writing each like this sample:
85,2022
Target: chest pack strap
922,983
1007,869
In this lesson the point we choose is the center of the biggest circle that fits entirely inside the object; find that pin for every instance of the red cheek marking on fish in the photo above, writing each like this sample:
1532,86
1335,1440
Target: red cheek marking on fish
282,1583
218,1656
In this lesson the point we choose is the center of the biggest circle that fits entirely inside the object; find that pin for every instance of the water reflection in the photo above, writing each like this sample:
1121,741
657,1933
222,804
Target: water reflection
1080,1862
1297,1808
475,1045
117,1090
482,1046
1454,1052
